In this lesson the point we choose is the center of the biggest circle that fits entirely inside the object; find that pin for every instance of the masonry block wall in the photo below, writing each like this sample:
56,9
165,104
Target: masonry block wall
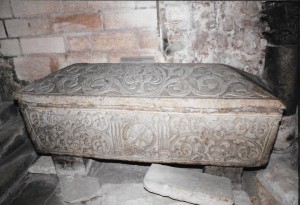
44,36
227,32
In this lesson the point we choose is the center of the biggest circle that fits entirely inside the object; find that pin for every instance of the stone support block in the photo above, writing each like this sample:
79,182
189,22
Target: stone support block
66,165
233,173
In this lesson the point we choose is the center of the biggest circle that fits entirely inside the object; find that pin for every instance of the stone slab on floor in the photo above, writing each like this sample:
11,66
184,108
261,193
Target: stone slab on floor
281,181
79,188
189,185
131,194
44,165
241,198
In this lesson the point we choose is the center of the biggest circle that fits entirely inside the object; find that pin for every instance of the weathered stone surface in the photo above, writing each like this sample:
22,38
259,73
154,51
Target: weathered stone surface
28,27
10,47
44,165
188,185
13,170
124,19
39,187
132,194
77,23
32,8
2,30
233,173
43,45
249,184
282,18
241,198
286,132
67,165
127,112
125,40
12,135
79,188
29,68
264,197
9,82
16,152
5,10
281,181
7,111
226,32
281,73
79,43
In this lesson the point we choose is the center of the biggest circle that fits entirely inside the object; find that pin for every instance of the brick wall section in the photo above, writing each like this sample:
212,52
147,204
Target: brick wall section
44,36
2,30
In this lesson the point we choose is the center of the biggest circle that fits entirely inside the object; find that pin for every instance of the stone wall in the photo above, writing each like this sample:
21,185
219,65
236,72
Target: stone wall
44,36
226,32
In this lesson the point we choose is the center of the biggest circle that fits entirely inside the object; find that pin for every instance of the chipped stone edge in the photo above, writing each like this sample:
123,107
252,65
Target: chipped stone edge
205,199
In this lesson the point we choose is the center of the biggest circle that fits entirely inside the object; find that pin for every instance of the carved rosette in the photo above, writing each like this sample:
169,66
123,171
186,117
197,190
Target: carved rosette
225,139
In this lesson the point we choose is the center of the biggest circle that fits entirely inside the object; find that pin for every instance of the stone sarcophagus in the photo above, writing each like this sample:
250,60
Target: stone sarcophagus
206,114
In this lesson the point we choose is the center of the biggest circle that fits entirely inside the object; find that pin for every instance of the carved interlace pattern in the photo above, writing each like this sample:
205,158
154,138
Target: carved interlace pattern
144,136
148,80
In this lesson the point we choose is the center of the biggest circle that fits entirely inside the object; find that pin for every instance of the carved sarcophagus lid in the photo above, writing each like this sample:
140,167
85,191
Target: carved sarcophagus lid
206,114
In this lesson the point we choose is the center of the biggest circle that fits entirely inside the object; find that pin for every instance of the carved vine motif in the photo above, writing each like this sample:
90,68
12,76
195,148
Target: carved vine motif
143,136
148,80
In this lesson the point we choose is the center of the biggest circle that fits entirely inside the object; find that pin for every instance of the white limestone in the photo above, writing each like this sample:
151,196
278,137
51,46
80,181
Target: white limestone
280,181
241,198
79,188
188,185
132,194
44,165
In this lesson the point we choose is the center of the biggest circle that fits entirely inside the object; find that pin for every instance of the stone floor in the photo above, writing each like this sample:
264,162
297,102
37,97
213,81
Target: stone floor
122,184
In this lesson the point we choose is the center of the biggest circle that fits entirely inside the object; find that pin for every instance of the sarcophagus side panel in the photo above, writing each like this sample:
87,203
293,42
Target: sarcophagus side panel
226,139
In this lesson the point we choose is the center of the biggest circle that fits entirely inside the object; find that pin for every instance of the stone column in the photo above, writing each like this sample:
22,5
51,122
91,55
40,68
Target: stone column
282,68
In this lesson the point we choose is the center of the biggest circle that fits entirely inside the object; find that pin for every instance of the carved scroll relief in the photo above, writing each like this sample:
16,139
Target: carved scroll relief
152,137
